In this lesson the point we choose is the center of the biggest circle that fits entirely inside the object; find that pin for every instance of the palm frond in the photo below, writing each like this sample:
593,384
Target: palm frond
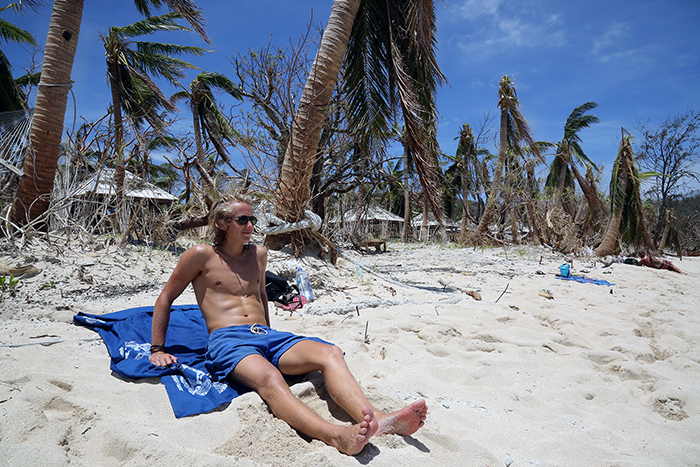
180,96
151,25
170,68
159,48
366,75
186,8
11,33
18,7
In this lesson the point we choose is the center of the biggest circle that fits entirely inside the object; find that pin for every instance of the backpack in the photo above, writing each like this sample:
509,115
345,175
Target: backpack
277,288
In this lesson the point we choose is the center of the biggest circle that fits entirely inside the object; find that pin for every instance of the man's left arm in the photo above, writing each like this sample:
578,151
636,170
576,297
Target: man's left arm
262,261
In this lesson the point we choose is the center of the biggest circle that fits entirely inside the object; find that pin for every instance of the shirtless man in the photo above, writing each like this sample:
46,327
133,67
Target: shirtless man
652,261
229,282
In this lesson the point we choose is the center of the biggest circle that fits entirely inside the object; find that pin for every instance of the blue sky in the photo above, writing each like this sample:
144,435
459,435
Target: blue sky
639,60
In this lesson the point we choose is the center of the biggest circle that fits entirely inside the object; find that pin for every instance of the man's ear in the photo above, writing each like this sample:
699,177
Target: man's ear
222,223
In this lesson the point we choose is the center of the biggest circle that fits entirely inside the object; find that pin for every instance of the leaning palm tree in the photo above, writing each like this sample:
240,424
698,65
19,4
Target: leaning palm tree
390,65
207,120
33,193
626,222
130,64
569,152
514,130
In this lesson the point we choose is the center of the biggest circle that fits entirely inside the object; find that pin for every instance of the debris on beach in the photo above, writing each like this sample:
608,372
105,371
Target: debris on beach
546,294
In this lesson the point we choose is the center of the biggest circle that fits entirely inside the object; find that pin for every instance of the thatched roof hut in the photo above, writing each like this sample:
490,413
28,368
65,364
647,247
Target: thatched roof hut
451,228
102,184
374,219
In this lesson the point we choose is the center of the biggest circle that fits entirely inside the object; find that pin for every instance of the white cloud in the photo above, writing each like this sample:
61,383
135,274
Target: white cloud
611,40
614,46
475,8
496,30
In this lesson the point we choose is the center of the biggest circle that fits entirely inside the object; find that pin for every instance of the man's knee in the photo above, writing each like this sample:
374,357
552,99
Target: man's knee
258,374
270,382
332,355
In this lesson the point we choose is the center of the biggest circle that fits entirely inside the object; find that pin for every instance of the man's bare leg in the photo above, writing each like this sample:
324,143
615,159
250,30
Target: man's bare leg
307,356
257,373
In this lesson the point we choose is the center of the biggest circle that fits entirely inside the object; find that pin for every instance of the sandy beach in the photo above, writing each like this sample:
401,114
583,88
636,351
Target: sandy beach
596,375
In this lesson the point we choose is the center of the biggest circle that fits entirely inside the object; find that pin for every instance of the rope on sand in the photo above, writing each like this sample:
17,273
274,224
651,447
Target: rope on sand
385,278
275,225
353,305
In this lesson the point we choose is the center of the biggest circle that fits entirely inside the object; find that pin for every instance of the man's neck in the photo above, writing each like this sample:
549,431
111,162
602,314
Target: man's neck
231,250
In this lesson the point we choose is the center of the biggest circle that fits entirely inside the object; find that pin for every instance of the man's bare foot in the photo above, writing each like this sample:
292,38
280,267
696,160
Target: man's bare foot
357,436
403,422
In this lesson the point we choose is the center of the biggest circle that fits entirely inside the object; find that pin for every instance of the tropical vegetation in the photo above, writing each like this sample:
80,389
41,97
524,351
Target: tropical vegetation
354,127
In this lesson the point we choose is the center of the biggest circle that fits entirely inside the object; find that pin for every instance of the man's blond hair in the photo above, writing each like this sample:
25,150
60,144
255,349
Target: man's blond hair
222,209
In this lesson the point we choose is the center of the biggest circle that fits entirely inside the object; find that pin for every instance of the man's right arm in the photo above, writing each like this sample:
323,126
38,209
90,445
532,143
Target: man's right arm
188,268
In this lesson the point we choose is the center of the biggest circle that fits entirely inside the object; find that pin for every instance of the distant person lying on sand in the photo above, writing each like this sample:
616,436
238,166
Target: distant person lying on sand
652,261
228,279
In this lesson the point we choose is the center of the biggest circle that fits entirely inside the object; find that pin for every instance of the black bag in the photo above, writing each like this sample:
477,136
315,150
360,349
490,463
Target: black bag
277,288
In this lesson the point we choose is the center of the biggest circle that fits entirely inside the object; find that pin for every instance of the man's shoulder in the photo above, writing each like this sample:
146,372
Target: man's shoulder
201,251
202,248
258,249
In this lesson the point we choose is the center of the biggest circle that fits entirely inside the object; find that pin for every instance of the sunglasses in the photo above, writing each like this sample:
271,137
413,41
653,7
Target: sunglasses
243,220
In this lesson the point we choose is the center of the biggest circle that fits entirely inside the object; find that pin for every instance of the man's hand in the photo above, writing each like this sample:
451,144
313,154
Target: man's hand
162,359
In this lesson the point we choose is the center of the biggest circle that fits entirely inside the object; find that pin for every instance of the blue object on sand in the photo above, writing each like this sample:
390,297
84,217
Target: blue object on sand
585,280
564,270
127,335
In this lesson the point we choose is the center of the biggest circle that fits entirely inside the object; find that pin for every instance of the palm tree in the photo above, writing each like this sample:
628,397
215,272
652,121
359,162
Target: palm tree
514,130
129,64
41,161
33,193
207,120
391,59
472,172
569,152
626,211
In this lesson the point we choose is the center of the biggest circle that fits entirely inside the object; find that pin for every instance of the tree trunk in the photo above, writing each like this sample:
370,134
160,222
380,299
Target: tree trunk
562,181
294,188
662,223
490,208
607,246
119,168
465,202
594,201
424,230
514,231
41,160
207,182
664,237
532,220
406,199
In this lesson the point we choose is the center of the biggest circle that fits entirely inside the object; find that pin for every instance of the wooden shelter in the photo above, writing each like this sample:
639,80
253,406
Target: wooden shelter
102,185
451,228
371,219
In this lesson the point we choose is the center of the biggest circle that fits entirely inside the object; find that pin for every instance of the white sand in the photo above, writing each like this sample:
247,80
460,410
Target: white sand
596,376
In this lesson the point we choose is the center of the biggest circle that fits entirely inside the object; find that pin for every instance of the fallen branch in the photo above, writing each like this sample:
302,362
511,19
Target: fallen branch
504,291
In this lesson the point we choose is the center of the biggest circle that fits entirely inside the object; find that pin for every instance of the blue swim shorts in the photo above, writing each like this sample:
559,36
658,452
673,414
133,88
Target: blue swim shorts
228,346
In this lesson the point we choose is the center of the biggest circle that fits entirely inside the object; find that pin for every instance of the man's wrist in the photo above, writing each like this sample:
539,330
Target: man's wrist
157,348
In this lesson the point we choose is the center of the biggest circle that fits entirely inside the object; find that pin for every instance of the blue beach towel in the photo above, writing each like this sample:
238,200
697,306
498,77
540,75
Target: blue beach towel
584,280
127,335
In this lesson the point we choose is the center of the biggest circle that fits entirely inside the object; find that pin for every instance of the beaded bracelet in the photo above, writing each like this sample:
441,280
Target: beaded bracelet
157,348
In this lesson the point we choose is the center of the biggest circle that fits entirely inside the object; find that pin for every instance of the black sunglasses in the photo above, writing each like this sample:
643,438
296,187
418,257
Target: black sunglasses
243,220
